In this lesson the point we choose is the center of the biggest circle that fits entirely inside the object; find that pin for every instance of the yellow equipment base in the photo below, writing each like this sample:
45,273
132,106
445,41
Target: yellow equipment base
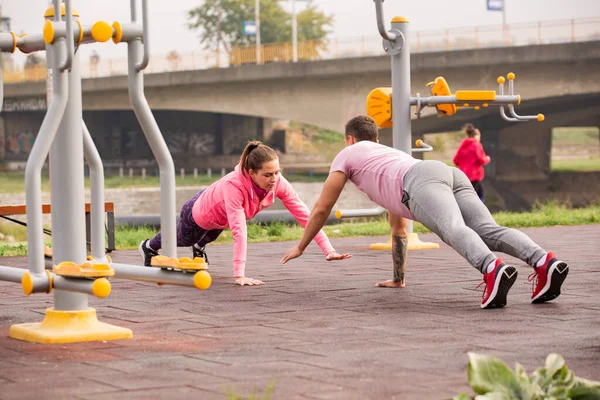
182,264
414,243
69,327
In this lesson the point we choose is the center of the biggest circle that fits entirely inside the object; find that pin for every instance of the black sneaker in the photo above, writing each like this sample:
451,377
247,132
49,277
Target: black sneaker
196,252
146,252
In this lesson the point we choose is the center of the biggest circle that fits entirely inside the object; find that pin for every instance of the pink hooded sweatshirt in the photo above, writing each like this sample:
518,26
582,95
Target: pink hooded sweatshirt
232,200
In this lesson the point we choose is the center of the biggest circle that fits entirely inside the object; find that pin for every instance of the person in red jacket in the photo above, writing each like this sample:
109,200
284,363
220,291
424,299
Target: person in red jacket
470,158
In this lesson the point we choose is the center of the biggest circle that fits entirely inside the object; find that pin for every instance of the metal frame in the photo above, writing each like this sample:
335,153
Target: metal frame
396,44
65,138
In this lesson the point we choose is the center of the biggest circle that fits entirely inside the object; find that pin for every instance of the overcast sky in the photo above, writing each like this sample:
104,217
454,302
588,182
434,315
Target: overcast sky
168,29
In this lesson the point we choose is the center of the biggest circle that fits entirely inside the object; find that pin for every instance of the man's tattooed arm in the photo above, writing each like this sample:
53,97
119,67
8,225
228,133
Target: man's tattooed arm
399,250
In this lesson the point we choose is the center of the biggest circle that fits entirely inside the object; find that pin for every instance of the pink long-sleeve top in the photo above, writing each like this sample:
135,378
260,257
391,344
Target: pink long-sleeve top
232,200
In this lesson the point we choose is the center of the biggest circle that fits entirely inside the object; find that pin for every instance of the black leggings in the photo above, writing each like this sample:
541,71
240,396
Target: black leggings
188,232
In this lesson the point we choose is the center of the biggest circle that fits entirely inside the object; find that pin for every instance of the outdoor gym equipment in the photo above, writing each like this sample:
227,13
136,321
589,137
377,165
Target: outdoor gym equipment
64,136
391,107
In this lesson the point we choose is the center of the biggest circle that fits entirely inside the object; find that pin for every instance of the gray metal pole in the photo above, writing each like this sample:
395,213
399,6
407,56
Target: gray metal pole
146,274
11,274
96,194
67,190
38,154
401,130
159,148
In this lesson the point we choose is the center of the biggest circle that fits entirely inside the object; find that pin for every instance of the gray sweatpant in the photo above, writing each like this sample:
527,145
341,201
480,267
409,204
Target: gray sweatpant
442,198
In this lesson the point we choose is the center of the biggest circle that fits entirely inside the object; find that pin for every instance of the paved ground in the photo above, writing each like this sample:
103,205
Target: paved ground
321,330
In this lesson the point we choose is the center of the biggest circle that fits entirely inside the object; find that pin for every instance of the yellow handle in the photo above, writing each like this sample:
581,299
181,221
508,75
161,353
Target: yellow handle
102,31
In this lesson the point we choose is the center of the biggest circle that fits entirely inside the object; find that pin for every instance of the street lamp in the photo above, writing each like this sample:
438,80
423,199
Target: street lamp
295,32
257,18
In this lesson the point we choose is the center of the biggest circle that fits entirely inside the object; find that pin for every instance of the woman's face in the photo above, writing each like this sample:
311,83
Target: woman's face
266,177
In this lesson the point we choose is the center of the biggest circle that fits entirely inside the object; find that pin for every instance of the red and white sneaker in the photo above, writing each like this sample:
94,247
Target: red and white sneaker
497,284
548,279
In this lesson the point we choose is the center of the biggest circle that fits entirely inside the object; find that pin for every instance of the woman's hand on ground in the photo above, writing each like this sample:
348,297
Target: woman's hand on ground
334,255
390,284
243,280
292,253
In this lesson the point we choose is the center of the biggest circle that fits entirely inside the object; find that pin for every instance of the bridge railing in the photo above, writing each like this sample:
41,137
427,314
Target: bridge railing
522,34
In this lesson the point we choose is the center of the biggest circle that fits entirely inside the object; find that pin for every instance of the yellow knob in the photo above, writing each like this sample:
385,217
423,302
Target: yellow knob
202,280
466,105
540,117
118,32
101,288
27,283
501,79
419,142
102,31
510,76
48,32
338,214
476,107
399,19
485,105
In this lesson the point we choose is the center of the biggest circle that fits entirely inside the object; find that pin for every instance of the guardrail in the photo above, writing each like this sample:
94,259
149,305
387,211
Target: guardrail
522,34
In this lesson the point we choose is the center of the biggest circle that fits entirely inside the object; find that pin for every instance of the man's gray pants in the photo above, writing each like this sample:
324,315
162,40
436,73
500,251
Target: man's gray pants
442,198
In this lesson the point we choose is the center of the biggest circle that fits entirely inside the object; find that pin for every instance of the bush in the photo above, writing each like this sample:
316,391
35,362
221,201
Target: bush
491,379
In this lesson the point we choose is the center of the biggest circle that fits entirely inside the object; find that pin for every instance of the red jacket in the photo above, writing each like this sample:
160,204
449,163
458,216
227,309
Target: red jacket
471,158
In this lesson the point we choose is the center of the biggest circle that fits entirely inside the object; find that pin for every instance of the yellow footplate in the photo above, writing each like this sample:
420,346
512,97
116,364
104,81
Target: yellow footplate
184,264
70,269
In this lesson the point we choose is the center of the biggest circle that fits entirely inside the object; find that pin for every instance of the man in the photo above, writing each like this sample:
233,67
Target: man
441,198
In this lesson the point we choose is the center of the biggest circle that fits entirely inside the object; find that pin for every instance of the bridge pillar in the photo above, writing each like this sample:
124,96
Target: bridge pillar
519,152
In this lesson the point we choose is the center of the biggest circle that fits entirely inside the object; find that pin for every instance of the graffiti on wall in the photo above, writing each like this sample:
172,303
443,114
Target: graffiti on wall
190,143
33,104
19,143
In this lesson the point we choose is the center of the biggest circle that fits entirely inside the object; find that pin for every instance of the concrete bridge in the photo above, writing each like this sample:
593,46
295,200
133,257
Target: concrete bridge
327,93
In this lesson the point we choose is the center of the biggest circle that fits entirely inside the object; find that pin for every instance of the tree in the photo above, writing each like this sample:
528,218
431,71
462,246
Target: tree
313,24
221,22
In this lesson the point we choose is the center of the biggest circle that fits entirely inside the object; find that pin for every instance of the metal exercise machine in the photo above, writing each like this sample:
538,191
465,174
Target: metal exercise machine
391,107
64,136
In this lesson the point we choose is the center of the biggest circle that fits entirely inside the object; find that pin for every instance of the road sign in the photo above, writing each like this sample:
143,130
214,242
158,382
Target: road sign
495,5
250,28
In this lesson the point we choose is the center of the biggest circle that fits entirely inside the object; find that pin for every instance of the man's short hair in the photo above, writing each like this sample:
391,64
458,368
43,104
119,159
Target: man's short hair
361,128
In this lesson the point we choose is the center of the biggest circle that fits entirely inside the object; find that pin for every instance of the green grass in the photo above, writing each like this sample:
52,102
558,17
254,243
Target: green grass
580,164
14,182
550,214
576,136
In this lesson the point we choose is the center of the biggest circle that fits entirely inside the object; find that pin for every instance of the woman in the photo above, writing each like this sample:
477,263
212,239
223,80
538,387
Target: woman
470,158
230,202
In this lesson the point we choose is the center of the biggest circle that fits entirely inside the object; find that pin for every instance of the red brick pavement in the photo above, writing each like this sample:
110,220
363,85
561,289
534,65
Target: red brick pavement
321,330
